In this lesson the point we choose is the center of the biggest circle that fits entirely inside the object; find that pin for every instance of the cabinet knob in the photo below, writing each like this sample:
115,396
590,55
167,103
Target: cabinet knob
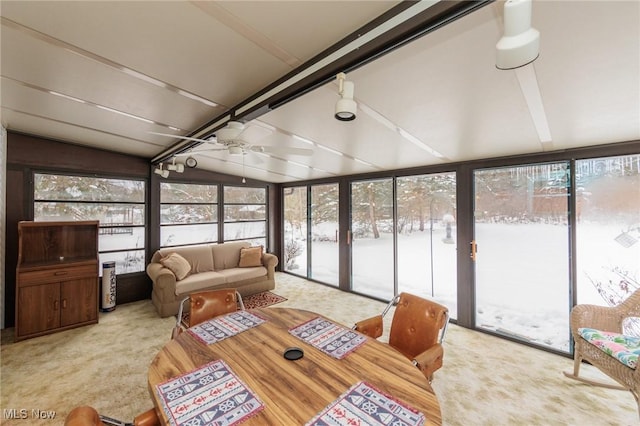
64,303
55,305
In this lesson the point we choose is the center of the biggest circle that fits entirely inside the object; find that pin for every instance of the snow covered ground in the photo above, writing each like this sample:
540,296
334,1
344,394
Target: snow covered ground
522,272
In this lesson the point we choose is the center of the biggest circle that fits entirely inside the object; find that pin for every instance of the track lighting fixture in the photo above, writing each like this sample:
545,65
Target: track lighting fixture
160,171
520,44
345,107
175,167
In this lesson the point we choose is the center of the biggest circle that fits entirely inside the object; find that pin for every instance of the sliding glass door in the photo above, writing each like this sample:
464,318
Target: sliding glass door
522,264
324,233
372,251
295,230
426,237
539,252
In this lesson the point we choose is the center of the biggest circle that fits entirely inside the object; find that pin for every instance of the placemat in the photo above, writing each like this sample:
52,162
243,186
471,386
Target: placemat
209,395
219,328
363,404
331,338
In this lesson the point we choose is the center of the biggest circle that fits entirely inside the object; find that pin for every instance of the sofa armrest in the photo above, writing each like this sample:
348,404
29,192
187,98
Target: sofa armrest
162,277
270,261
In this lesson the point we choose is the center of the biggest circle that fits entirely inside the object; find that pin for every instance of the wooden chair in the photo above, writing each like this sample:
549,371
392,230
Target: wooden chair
88,416
205,305
609,320
417,330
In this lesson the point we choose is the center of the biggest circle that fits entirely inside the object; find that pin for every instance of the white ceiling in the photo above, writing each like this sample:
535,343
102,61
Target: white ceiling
181,64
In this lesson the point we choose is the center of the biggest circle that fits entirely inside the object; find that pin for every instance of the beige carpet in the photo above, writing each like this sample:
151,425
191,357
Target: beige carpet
485,380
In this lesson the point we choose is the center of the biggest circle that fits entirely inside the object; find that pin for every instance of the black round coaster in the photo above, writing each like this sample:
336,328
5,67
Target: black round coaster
293,354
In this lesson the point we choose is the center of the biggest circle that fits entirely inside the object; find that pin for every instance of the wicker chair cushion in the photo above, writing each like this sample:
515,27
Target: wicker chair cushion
622,347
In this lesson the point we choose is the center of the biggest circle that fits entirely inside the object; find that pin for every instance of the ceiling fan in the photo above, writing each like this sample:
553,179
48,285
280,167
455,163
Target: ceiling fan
235,138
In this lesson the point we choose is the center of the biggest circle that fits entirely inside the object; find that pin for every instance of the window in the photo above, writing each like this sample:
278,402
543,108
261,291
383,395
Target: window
372,248
324,233
522,264
295,230
188,214
119,205
608,231
426,237
245,214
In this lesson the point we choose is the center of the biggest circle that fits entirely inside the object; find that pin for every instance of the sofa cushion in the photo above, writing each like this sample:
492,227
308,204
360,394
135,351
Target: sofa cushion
199,256
177,264
250,257
227,255
201,281
239,274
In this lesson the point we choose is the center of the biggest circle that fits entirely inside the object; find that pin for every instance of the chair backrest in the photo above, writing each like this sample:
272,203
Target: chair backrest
83,416
205,305
417,324
630,307
88,416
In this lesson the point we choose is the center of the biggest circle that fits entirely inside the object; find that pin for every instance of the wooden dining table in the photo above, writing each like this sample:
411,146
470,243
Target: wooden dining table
294,391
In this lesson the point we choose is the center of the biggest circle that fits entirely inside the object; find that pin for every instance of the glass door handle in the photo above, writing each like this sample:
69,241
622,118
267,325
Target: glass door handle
474,250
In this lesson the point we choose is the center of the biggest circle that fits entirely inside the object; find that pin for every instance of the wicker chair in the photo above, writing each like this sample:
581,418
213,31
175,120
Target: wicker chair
417,330
605,319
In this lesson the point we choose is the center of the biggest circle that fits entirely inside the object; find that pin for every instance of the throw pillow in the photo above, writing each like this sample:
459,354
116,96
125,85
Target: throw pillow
250,257
177,264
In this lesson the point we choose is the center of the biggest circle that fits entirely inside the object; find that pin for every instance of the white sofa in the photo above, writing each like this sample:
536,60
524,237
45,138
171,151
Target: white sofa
212,266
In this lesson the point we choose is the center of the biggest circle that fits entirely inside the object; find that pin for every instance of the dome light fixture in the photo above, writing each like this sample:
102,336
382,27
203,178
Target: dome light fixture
520,44
346,107
230,132
191,162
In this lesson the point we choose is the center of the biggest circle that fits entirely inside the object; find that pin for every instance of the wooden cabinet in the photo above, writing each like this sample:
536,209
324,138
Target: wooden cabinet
57,277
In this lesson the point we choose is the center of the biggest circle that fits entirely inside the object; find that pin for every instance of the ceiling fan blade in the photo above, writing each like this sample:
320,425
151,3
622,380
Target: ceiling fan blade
251,158
182,137
253,133
199,151
282,150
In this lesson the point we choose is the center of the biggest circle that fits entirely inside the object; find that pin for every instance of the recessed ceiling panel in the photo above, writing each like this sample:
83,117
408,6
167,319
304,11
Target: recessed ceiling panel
53,68
590,75
316,24
173,41
437,100
60,131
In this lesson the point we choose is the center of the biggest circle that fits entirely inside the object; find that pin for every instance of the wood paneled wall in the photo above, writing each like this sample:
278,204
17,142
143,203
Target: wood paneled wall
27,154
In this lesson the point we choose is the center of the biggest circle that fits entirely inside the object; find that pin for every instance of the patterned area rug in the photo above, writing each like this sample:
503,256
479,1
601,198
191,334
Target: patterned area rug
258,300
262,300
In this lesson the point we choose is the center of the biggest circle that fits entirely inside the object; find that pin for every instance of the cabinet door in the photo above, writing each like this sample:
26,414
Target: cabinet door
38,308
79,301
